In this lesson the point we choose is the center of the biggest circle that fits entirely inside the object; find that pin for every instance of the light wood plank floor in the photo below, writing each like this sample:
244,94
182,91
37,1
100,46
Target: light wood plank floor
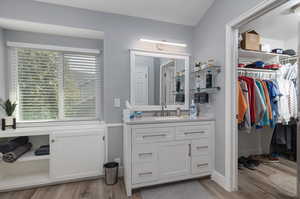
252,184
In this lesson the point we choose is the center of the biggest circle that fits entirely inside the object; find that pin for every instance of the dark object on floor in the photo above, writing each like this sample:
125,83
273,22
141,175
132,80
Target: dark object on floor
12,156
253,161
43,150
111,173
290,52
240,166
13,144
247,163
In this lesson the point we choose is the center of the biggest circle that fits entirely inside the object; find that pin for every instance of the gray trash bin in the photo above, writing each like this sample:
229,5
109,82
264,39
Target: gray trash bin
111,173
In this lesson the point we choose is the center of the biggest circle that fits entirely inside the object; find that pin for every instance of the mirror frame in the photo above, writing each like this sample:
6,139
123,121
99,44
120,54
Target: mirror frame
186,57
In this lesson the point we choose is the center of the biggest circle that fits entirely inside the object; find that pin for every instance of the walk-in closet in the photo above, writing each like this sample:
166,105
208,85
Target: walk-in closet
267,90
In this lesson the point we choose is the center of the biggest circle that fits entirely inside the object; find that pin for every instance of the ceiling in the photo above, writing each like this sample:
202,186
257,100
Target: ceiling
173,11
279,24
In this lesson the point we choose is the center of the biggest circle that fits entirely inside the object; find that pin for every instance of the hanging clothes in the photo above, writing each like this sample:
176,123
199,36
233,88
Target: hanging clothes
250,85
274,98
265,119
242,104
263,103
284,140
260,107
293,105
266,92
287,106
289,71
247,119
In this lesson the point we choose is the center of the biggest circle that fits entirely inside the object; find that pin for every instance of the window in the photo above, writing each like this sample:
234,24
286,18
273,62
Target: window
54,85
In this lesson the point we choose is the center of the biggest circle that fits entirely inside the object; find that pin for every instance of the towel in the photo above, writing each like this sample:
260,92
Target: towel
12,156
43,150
13,144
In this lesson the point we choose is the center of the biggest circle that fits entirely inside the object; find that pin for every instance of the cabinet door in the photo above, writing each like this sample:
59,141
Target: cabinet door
77,154
173,159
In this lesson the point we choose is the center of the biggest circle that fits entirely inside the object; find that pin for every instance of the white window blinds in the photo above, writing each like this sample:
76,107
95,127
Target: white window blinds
37,84
53,85
80,83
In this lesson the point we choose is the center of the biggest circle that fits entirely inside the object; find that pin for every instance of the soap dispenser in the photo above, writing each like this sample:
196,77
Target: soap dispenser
193,110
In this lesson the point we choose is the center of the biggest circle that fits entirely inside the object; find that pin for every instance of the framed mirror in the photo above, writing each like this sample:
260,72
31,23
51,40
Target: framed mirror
159,79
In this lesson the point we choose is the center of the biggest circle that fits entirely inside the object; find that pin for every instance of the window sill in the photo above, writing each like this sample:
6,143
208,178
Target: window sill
46,128
24,124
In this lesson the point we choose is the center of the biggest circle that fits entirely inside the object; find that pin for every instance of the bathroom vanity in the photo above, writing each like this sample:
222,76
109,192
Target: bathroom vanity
166,149
162,149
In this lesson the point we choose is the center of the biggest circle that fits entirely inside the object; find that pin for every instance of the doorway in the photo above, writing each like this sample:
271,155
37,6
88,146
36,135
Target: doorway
167,83
233,152
141,85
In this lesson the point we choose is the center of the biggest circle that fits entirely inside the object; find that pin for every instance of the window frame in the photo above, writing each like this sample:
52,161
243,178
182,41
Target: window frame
14,89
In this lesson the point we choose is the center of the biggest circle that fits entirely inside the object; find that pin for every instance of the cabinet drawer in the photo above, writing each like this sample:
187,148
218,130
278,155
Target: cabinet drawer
200,164
149,135
144,153
192,132
144,172
200,147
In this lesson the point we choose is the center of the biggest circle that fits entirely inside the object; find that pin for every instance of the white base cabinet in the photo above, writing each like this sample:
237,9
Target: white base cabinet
75,153
166,152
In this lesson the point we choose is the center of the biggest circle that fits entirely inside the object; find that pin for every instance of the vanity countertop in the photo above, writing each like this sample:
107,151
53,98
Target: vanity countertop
168,119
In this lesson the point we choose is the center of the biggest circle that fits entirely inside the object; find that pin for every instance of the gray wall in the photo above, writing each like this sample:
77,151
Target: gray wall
40,38
2,68
209,42
121,34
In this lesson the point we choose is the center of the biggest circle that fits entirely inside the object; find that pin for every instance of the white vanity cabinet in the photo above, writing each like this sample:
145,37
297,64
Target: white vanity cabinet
164,152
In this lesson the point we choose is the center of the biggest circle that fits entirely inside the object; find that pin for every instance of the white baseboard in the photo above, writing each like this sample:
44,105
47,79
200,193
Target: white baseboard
220,180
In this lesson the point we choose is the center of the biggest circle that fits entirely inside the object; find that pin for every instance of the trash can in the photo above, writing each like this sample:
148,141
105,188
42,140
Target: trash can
111,173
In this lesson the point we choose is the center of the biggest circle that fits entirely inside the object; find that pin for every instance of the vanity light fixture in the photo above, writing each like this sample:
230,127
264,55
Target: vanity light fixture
163,42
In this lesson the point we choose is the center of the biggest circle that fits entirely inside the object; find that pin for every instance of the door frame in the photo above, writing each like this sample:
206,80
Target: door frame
160,78
231,59
146,68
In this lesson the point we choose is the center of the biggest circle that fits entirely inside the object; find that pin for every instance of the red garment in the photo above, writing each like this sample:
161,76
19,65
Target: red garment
250,84
272,66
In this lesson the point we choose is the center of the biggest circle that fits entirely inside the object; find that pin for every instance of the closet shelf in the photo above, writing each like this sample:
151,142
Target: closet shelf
207,90
260,55
257,70
208,69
